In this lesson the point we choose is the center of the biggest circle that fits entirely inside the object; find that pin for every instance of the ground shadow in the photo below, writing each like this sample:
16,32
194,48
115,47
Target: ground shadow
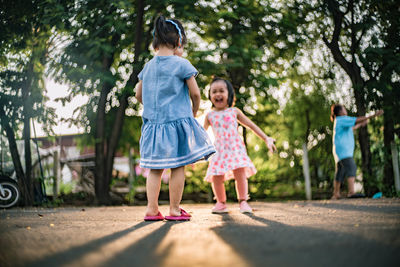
278,244
74,253
375,207
144,252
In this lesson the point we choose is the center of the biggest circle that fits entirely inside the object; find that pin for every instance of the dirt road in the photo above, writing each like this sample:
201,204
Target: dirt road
358,232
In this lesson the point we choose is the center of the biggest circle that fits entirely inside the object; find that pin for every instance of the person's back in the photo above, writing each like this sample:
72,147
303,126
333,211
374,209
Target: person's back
171,137
165,92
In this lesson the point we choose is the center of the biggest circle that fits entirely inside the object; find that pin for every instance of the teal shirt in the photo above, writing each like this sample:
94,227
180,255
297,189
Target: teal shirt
343,137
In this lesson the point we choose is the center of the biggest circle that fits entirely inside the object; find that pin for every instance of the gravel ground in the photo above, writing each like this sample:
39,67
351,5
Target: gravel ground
349,232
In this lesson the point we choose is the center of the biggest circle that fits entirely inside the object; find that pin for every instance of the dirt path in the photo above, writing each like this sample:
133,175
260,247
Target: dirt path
360,232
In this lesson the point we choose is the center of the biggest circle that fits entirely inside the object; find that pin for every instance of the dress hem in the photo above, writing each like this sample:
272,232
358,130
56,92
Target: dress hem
191,158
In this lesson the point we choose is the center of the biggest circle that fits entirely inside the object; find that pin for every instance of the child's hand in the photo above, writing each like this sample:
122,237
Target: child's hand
269,141
379,112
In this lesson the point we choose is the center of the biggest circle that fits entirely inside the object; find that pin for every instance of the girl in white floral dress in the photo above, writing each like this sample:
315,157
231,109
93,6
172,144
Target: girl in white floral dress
231,159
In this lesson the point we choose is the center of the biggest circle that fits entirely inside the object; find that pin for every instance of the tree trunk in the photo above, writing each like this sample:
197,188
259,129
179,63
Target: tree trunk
28,160
123,100
105,151
389,100
369,181
114,138
120,116
101,183
27,111
388,138
15,157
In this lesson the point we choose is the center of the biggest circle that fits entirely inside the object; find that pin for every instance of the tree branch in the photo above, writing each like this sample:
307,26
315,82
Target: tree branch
338,19
333,45
357,42
353,46
349,7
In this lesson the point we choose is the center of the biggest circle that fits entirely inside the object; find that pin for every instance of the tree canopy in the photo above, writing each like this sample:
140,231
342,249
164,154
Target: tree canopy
287,60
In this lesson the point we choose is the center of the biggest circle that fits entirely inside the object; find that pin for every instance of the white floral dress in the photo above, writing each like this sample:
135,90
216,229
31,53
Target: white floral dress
231,151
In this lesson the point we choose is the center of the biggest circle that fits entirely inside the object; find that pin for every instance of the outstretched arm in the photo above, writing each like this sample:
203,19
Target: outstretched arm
194,93
365,119
244,120
139,92
359,125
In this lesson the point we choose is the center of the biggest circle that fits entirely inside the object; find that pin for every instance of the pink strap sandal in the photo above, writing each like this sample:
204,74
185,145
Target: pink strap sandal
157,217
183,217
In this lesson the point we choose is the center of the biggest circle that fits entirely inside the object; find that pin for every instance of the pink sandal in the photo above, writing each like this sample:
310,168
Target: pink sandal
157,217
183,217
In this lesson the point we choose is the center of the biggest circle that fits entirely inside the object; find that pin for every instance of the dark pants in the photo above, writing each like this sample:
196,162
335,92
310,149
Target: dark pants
345,168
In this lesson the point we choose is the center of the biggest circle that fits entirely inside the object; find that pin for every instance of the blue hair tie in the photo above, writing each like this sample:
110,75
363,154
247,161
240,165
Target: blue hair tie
179,30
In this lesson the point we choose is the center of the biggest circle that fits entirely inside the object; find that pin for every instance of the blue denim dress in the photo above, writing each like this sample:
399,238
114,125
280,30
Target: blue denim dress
171,137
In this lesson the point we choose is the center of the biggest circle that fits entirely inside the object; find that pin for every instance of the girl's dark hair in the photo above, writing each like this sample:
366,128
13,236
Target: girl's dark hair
231,91
335,109
166,33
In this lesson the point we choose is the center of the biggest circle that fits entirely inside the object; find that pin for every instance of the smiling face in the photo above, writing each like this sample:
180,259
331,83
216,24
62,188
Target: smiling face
219,94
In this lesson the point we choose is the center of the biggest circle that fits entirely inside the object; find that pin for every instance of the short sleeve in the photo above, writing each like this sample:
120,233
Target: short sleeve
187,70
346,121
140,75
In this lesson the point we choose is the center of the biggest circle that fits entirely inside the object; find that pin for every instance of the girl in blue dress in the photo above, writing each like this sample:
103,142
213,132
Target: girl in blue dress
171,137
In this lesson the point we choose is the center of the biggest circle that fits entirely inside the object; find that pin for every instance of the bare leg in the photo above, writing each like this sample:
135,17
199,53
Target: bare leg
242,190
241,184
350,185
152,191
336,190
218,187
176,184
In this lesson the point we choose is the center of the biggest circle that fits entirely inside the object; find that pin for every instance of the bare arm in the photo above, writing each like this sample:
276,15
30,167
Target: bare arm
244,120
359,125
194,93
139,91
206,122
366,118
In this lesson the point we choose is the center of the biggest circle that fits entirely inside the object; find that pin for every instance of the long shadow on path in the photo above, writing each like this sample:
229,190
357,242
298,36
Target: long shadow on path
373,208
77,252
278,244
144,252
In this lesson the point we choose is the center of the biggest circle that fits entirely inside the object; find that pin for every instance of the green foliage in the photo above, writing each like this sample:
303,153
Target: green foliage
24,45
236,33
367,39
195,184
284,76
66,188
381,59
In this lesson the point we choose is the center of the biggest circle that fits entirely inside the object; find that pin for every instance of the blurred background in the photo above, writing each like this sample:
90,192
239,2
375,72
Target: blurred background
70,124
